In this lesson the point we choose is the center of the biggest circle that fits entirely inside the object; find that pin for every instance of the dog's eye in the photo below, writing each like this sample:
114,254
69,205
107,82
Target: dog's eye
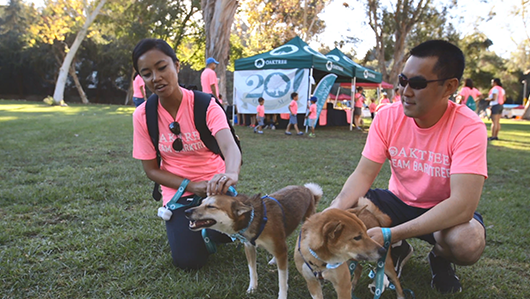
358,238
210,207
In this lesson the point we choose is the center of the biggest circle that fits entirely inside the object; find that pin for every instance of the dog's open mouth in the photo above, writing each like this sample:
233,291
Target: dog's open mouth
202,223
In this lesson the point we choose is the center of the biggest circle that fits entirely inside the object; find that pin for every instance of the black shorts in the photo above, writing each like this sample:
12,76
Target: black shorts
496,109
357,111
400,212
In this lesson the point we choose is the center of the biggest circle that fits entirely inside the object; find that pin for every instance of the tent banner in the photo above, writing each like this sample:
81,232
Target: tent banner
322,91
275,86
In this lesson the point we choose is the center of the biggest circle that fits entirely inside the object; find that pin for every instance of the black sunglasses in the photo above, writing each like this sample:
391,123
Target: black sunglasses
174,127
416,82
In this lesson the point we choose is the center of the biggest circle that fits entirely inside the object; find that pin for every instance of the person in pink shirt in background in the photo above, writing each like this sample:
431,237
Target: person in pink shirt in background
496,97
358,108
437,154
260,116
293,115
209,78
466,92
372,107
188,168
397,96
312,117
138,90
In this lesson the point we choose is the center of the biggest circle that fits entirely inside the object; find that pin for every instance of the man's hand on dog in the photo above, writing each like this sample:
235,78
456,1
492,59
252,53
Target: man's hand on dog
220,182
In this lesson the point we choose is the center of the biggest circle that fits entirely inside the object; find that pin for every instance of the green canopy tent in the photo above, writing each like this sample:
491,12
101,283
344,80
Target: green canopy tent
274,75
361,74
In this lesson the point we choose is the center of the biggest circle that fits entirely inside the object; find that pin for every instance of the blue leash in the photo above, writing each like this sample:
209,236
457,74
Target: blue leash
380,269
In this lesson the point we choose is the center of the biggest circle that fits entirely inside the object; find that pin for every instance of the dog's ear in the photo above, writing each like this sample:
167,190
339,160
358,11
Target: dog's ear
332,230
358,210
239,208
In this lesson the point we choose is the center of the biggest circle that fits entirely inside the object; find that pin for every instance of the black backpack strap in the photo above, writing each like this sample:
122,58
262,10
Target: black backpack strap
200,107
151,117
201,103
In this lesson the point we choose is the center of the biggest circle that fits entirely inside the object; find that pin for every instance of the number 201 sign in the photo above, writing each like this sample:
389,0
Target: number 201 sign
275,86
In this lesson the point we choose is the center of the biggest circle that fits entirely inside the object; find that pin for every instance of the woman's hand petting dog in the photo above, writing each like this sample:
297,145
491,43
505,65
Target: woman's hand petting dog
220,183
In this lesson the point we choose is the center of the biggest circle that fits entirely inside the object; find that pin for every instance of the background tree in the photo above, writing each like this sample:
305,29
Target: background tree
218,17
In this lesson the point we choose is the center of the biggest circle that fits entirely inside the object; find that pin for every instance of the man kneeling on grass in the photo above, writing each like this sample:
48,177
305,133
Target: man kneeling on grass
437,152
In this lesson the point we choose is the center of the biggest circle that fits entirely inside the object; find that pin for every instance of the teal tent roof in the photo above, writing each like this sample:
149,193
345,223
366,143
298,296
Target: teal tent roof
362,73
295,54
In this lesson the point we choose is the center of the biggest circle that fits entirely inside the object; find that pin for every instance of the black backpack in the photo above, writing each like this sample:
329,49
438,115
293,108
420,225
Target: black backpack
201,103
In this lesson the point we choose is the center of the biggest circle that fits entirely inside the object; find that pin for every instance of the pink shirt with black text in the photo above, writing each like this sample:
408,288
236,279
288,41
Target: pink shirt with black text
423,160
195,162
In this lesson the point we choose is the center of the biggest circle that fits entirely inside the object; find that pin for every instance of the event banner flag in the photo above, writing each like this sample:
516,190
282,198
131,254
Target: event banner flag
275,86
322,91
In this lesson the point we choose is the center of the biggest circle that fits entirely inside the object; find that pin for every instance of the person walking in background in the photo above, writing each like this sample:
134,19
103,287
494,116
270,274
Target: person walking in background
384,99
397,96
138,90
260,116
468,95
312,117
209,78
293,119
372,107
496,98
358,108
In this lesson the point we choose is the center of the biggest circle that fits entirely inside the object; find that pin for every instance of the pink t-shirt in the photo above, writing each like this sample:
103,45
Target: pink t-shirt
313,111
499,91
396,99
465,92
138,86
208,77
384,101
372,107
195,162
293,107
261,110
359,100
423,160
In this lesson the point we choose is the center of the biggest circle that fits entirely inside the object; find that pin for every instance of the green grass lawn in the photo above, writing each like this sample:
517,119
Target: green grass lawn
77,220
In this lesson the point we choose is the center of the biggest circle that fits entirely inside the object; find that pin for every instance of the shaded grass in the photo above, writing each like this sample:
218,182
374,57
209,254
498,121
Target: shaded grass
78,222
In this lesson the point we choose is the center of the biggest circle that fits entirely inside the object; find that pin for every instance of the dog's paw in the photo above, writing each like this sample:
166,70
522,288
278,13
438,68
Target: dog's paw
272,261
251,290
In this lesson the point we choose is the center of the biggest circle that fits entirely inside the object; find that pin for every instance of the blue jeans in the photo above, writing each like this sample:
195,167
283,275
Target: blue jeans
138,101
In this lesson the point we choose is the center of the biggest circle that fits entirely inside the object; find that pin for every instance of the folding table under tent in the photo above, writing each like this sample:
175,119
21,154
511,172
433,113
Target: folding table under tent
275,74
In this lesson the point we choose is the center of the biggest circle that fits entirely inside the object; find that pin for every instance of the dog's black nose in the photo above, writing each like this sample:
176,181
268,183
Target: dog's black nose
381,251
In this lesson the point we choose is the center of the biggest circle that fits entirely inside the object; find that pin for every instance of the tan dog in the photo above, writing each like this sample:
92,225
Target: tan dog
329,239
259,221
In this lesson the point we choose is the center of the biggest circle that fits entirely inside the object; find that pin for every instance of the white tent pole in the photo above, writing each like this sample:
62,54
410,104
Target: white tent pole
234,107
354,80
379,92
306,124
336,97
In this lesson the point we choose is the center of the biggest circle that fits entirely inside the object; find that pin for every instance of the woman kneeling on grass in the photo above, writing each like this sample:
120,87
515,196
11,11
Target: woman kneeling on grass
184,156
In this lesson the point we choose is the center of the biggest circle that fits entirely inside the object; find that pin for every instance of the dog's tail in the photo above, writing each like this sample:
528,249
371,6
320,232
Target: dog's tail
316,190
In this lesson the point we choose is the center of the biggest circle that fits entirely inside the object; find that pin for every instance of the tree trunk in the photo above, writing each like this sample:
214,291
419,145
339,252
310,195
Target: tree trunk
218,17
58,94
526,113
80,90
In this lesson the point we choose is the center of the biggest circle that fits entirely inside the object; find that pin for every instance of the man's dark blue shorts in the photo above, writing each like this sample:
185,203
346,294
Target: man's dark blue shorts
400,212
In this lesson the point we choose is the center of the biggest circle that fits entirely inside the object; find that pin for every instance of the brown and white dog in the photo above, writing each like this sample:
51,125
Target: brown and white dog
331,238
259,221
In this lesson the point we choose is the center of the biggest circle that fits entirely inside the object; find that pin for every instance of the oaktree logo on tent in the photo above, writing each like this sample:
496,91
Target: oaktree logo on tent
329,65
368,74
284,50
334,57
311,51
259,63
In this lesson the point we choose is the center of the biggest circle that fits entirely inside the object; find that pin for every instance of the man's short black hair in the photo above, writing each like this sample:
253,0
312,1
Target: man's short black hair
451,61
147,44
293,95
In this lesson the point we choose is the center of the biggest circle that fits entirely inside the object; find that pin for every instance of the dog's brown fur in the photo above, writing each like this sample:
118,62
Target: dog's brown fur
231,215
337,236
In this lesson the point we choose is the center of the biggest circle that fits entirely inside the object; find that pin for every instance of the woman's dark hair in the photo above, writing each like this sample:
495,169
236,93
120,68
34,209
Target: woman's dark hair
451,61
469,83
497,81
360,88
147,44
